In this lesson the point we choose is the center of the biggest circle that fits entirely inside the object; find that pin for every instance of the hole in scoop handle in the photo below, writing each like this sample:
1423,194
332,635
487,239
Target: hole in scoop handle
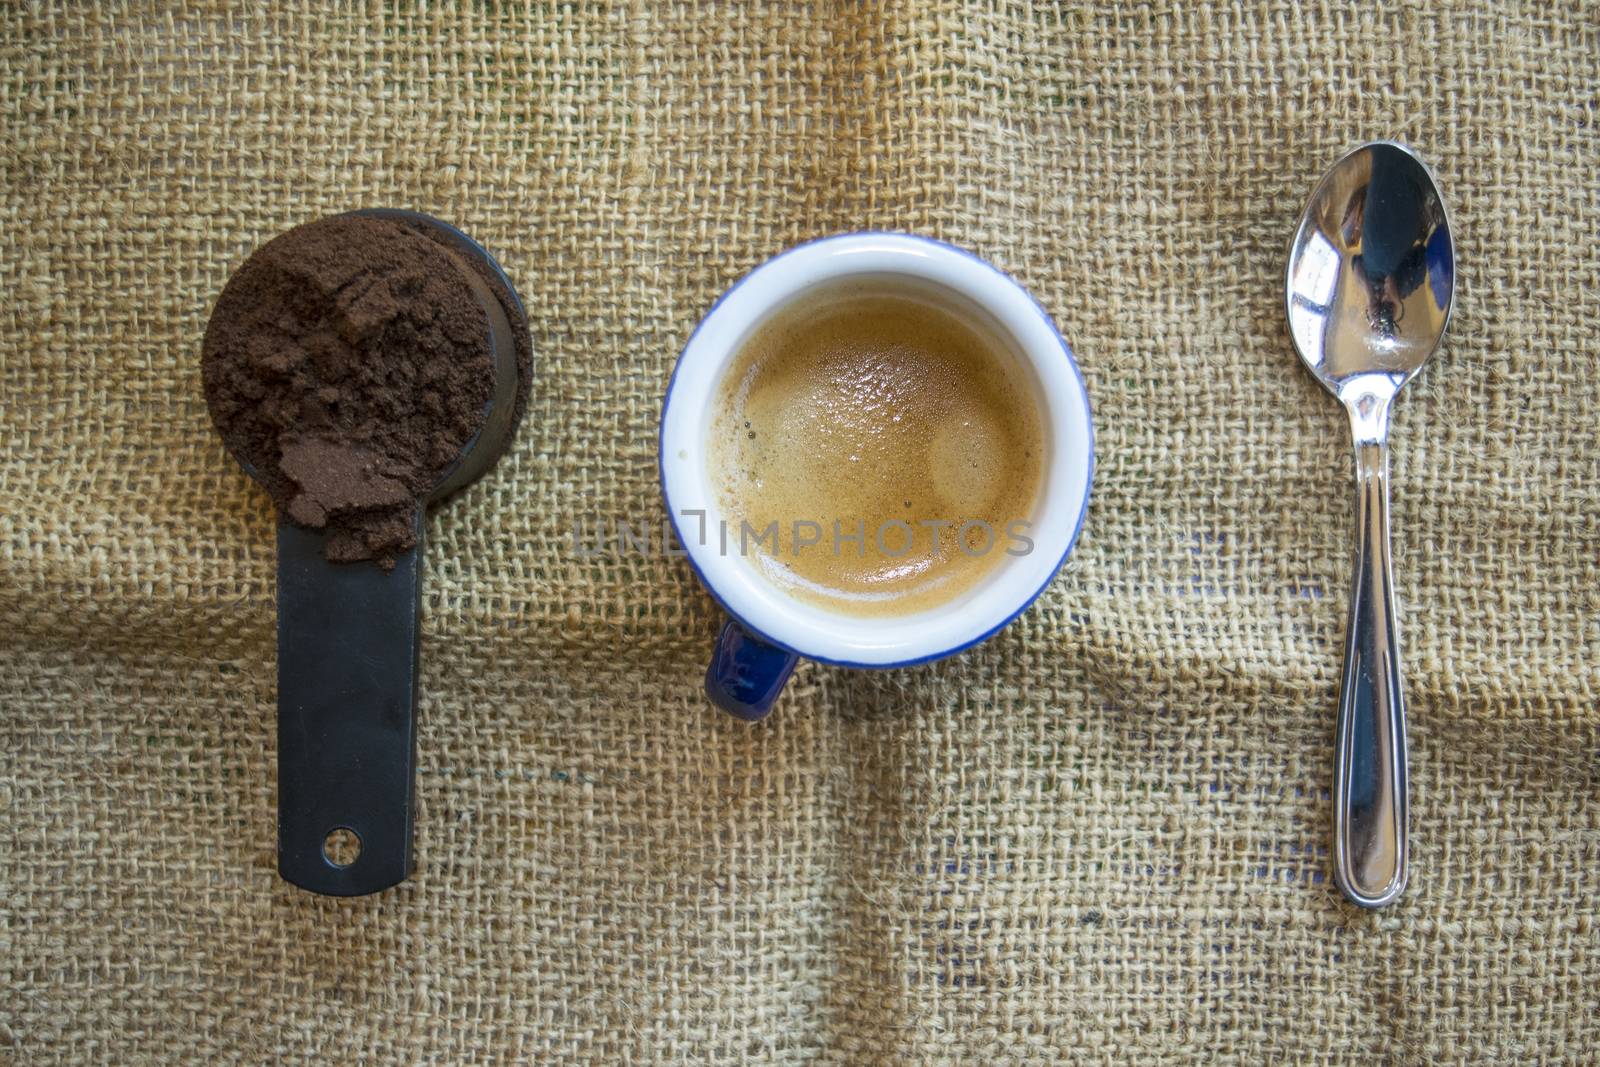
347,713
747,673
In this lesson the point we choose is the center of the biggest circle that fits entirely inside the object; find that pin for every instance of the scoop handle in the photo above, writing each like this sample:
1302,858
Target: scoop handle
1369,819
347,714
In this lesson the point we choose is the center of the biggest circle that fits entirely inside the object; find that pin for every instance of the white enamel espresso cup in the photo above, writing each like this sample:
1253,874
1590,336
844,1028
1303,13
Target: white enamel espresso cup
770,629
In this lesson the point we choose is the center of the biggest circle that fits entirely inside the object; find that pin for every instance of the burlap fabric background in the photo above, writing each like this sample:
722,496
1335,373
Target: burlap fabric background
1101,837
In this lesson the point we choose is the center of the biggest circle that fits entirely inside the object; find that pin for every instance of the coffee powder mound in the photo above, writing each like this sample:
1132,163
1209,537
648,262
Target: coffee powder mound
348,363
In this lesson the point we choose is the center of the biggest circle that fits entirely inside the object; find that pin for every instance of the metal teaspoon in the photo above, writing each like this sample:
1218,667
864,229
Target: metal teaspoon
1368,291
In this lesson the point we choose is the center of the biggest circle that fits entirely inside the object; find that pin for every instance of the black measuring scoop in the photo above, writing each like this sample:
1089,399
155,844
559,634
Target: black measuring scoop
348,647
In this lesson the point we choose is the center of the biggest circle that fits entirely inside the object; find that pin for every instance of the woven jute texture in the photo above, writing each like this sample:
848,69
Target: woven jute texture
1100,837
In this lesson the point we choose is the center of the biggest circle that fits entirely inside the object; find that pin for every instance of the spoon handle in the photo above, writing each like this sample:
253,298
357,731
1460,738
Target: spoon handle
347,716
1369,815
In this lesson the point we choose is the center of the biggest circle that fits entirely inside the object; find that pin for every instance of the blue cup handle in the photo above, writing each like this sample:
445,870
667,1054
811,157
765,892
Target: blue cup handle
747,673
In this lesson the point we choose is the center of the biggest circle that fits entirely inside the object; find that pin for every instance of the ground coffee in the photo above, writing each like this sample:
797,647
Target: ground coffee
347,363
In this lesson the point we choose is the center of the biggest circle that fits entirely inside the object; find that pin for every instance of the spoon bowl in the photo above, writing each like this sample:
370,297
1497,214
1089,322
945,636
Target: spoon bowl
1368,291
1371,272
